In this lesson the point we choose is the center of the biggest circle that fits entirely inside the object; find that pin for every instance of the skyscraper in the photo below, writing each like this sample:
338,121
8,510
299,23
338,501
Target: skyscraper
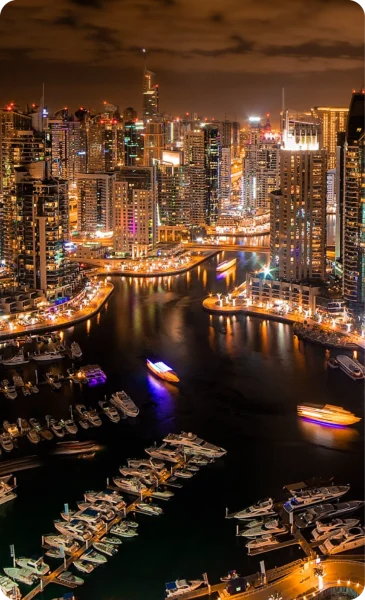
194,161
172,190
332,120
133,143
225,178
95,202
153,142
212,172
150,96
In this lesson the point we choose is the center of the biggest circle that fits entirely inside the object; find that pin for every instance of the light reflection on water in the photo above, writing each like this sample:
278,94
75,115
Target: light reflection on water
338,438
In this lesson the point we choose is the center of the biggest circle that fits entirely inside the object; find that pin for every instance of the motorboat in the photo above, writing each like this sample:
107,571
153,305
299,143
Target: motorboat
108,539
230,576
336,527
22,575
326,511
327,414
110,496
53,552
8,390
43,432
181,586
262,508
62,541
18,380
123,531
53,381
104,508
55,426
77,376
93,557
74,528
16,361
192,468
225,265
37,565
6,442
123,402
105,548
69,425
149,463
162,494
163,452
350,367
27,389
11,429
110,411
84,567
81,411
162,371
348,540
130,485
183,473
91,518
272,527
33,436
76,351
48,356
332,363
310,496
84,424
93,418
9,588
134,472
198,460
266,541
149,509
7,489
69,579
193,442
23,426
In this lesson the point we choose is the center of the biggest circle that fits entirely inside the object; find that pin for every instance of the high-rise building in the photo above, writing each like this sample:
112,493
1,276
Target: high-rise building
150,96
225,178
134,211
212,172
153,142
105,143
129,114
133,143
332,120
331,192
195,163
230,134
68,147
95,202
172,190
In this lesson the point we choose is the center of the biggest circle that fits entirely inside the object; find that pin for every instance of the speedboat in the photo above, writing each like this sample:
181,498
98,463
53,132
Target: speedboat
75,528
69,425
110,411
193,442
37,565
350,367
110,496
308,497
55,426
162,371
69,579
327,414
6,442
33,436
163,452
272,526
149,463
149,509
333,363
84,424
15,361
108,539
62,541
76,351
181,586
104,508
266,541
22,575
162,494
93,418
77,376
124,403
198,460
130,485
183,473
18,380
335,527
226,264
11,429
82,411
49,356
105,548
9,588
230,576
326,511
130,471
93,557
348,540
123,530
84,567
262,508
45,433
53,381
9,390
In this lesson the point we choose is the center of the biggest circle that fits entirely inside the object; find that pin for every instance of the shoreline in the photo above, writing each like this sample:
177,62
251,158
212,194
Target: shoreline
71,321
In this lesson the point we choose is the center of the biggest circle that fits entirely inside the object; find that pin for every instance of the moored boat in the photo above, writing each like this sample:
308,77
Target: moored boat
84,567
310,496
69,579
76,351
93,557
124,403
347,540
36,565
105,548
193,442
181,586
326,511
22,575
349,366
262,508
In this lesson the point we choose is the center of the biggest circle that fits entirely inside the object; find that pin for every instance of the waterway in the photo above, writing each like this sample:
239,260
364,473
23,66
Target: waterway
241,380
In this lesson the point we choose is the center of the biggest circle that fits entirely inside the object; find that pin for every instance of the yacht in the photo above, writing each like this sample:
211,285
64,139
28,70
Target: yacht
328,414
336,527
326,511
350,367
33,436
272,526
163,452
8,390
92,518
193,442
130,471
149,463
16,361
53,552
69,425
308,497
11,429
162,494
108,539
84,424
105,548
181,586
332,363
230,576
62,541
55,426
110,411
53,381
93,557
9,588
6,442
76,351
22,575
130,485
103,508
262,508
69,579
348,540
183,473
149,509
84,567
18,380
93,418
74,528
266,541
198,460
48,356
7,489
77,376
37,565
226,264
81,411
123,402
162,371
43,432
123,531
110,496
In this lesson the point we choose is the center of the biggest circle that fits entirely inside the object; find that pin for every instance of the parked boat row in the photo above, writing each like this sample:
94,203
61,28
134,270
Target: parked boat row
49,355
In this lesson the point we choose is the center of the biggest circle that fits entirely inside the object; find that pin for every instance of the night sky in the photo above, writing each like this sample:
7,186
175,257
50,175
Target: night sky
215,57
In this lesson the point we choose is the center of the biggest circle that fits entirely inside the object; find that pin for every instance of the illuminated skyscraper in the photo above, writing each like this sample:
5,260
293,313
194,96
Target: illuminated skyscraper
212,172
133,143
95,202
195,163
105,143
153,142
150,96
225,178
172,190
333,120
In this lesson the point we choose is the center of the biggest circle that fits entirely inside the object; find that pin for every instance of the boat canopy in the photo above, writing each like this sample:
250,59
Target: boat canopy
160,366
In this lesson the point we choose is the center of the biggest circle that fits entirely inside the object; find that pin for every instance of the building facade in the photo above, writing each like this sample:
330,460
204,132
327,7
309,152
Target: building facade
95,202
333,120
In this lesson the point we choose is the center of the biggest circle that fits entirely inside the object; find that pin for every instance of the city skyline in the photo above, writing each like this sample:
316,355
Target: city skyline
248,54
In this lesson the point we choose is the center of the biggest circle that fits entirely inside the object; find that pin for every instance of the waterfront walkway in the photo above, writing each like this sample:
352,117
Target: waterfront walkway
105,267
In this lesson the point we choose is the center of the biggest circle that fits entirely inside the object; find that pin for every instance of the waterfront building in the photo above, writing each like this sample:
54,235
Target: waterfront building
134,211
332,120
197,185
150,96
95,202
172,190
262,290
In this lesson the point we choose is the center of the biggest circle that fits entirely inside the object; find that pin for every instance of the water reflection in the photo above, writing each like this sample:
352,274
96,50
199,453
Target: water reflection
339,438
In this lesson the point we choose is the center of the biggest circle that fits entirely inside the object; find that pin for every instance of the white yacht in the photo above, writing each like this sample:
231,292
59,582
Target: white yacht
350,367
36,565
8,390
103,508
48,356
266,541
9,588
15,361
55,426
304,498
262,508
62,541
183,473
348,540
149,509
325,511
272,526
84,567
162,494
76,351
69,579
75,528
105,548
110,496
33,436
123,530
93,557
335,527
6,442
140,472
69,425
181,586
7,490
192,442
149,463
22,575
130,485
93,418
110,411
163,452
124,403
109,539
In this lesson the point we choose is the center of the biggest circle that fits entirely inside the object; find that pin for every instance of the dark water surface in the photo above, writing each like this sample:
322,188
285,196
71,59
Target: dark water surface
241,380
